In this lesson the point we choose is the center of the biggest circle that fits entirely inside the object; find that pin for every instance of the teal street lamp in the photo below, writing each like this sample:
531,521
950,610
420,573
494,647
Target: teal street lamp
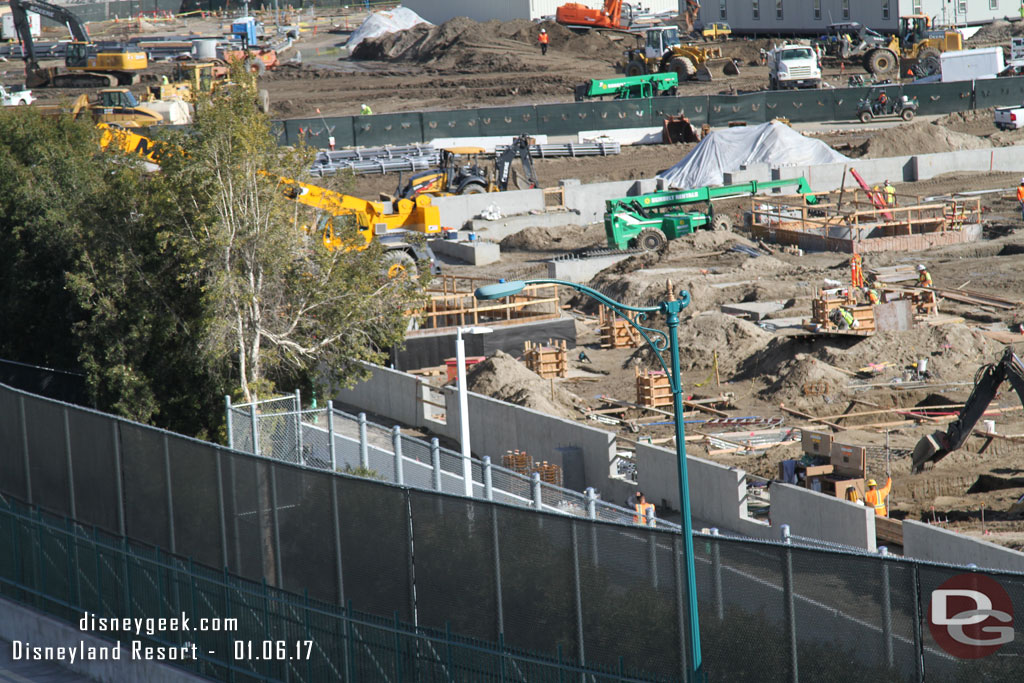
659,341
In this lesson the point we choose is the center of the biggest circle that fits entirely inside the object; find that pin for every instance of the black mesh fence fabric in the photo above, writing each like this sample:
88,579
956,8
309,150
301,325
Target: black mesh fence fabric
94,466
14,481
145,485
48,465
195,499
306,533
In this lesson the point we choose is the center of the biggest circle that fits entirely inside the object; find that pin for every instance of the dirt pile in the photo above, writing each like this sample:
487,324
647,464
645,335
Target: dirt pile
733,338
998,31
503,377
464,44
805,381
561,238
919,137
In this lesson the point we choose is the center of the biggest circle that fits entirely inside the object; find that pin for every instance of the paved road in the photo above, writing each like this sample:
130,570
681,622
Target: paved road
32,671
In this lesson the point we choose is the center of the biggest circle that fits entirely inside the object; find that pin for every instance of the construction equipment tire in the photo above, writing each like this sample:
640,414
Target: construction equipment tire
907,114
473,188
880,62
929,61
636,68
721,223
865,116
683,67
651,239
263,101
256,66
399,264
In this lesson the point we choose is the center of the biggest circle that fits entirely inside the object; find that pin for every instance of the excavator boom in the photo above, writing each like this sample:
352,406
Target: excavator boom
939,444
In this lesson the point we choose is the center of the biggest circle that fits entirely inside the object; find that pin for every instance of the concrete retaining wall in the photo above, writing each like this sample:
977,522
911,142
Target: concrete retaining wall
388,393
996,159
815,515
582,270
474,253
457,211
927,542
588,200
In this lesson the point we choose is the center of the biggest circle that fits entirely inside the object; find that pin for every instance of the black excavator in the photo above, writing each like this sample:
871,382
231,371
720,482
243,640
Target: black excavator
454,177
88,65
939,444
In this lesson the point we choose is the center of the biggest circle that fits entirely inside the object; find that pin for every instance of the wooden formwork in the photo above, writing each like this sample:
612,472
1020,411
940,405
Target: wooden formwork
653,389
452,304
616,333
547,361
823,306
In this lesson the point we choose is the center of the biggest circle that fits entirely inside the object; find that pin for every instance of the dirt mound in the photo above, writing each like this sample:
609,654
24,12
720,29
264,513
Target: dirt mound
733,338
967,116
805,381
462,43
920,137
503,377
999,31
565,237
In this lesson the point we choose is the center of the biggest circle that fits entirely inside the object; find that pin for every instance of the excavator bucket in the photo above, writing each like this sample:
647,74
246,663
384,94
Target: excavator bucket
727,67
928,449
678,129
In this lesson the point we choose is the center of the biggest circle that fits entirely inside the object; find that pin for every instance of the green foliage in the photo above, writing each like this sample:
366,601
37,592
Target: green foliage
364,472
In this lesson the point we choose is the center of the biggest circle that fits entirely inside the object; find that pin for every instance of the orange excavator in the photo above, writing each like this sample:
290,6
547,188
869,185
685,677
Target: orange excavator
614,15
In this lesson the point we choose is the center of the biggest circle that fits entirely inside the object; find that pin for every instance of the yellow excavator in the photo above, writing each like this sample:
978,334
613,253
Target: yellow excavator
374,220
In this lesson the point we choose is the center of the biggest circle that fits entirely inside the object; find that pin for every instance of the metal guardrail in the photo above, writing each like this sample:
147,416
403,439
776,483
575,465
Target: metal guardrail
353,444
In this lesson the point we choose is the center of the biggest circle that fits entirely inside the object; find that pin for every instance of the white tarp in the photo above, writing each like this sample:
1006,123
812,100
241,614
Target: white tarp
379,23
774,143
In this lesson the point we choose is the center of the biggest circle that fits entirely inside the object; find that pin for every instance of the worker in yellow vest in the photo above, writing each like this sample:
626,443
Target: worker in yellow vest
924,278
890,194
875,497
644,511
872,294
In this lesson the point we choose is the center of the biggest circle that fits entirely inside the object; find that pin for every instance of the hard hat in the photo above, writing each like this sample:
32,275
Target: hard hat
871,482
1022,181
920,266
543,31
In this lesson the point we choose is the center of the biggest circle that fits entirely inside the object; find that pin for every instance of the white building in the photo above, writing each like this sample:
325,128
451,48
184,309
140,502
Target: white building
440,11
811,17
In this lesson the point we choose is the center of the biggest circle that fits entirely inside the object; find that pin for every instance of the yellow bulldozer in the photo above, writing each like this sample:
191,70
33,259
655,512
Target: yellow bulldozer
658,49
916,47
111,105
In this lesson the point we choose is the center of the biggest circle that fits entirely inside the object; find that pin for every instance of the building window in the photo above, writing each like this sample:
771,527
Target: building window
721,10
917,7
817,9
778,9
846,9
756,8
961,7
993,4
885,9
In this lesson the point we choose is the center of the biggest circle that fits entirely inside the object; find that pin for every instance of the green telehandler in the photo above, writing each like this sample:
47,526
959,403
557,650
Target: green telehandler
649,221
629,87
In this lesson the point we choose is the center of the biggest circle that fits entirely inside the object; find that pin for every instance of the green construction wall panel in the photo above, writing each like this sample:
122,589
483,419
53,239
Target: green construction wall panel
315,132
941,98
800,105
387,129
508,121
694,107
612,114
998,92
845,102
450,124
566,119
724,109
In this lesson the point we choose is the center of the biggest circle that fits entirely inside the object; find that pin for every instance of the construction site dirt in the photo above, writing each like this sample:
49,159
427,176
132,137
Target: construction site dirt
864,386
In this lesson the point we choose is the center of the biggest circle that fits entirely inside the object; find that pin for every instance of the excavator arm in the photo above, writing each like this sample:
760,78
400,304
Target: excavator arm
520,148
56,13
939,444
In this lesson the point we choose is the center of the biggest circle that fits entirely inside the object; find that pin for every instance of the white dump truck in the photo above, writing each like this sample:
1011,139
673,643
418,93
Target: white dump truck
793,66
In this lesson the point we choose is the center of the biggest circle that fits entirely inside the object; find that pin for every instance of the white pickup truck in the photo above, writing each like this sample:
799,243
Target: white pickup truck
1009,118
10,98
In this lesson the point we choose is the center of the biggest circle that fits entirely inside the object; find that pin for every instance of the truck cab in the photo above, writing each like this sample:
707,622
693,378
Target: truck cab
793,66
660,40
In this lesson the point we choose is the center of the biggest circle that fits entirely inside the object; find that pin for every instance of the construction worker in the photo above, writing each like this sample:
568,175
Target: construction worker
644,510
1020,188
583,357
364,110
843,319
543,40
924,278
872,294
880,103
875,496
890,194
762,55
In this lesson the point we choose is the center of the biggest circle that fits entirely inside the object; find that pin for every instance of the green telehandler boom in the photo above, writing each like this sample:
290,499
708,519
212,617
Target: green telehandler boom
629,87
648,221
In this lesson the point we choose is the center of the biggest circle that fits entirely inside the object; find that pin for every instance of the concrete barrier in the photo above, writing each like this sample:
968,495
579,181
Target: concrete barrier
826,518
457,211
501,228
388,393
926,542
474,253
588,200
582,270
995,159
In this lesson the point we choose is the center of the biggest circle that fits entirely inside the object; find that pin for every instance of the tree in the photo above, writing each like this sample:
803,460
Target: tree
282,305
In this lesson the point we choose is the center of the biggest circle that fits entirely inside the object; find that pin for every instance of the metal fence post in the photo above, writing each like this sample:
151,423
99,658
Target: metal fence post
578,593
71,469
24,450
364,446
915,585
538,502
410,557
886,607
435,463
220,510
716,574
170,495
332,447
488,478
118,478
652,551
277,526
227,414
255,429
499,608
788,606
335,518
396,445
298,426
591,502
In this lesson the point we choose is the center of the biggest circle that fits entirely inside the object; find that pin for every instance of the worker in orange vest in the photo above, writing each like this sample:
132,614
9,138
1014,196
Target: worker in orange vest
1020,188
924,278
644,510
543,40
875,496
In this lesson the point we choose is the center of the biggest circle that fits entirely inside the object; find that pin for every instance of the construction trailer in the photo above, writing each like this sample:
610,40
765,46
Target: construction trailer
858,222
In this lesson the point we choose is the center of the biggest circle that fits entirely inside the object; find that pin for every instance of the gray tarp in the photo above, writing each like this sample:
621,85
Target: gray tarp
727,150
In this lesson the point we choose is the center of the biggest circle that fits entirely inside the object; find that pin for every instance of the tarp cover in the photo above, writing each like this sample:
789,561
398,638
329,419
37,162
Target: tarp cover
379,23
727,150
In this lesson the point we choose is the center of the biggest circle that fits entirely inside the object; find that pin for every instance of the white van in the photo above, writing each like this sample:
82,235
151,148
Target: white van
793,66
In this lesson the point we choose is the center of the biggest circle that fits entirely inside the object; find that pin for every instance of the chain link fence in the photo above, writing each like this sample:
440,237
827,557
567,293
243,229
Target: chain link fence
369,449
608,597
